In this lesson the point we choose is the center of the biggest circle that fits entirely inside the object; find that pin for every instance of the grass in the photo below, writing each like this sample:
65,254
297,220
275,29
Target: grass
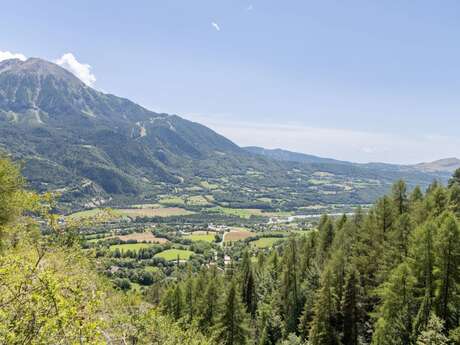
172,254
131,246
172,200
266,242
197,200
194,237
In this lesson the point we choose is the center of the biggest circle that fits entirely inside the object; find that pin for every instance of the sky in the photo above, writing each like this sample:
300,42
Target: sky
354,80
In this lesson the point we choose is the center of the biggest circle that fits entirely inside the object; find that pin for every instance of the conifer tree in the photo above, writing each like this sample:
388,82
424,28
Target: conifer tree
350,310
448,269
323,331
397,309
190,295
422,252
433,334
209,306
455,178
232,327
248,284
454,199
399,196
325,239
290,297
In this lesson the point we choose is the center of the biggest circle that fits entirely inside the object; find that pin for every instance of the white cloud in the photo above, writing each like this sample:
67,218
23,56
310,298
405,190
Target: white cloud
80,70
6,55
216,26
250,8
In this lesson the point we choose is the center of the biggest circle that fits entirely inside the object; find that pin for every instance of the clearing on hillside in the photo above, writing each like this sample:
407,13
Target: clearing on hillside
207,236
131,246
173,254
143,237
267,242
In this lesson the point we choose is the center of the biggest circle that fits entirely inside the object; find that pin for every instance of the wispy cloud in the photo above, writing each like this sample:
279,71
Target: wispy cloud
6,55
80,70
345,144
215,26
250,7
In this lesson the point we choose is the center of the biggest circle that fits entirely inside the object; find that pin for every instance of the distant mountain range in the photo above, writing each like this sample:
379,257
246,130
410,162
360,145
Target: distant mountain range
448,165
93,147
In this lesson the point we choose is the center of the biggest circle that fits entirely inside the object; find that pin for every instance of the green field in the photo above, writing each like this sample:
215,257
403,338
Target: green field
172,254
238,212
248,212
201,237
171,200
266,242
197,200
131,246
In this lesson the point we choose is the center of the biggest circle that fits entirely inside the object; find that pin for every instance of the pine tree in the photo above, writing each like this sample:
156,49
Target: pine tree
209,308
323,330
177,305
248,284
448,269
454,199
455,178
422,251
290,297
190,295
350,309
325,239
433,334
397,309
384,212
399,196
232,326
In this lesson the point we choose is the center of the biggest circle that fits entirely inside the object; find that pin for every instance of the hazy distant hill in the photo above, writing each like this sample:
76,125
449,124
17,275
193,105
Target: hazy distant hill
448,165
284,155
90,145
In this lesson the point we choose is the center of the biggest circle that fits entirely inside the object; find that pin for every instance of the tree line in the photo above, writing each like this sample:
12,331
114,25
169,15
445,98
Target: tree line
390,276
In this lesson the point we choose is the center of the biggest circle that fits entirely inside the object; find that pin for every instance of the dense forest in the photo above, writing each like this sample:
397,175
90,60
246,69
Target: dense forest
390,275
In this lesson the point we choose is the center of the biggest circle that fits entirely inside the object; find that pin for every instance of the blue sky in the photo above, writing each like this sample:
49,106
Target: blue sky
355,80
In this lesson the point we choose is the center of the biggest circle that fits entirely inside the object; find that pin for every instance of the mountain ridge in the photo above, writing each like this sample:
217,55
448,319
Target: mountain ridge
89,145
448,165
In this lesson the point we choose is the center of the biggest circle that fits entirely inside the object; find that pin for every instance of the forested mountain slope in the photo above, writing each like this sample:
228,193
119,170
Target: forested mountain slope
88,145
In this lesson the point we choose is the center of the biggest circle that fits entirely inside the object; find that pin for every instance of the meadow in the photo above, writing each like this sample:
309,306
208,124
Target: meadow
201,236
173,254
266,242
130,246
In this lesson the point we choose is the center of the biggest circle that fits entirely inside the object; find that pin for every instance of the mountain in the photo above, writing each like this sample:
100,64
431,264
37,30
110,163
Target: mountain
284,155
447,165
442,166
95,148
66,130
